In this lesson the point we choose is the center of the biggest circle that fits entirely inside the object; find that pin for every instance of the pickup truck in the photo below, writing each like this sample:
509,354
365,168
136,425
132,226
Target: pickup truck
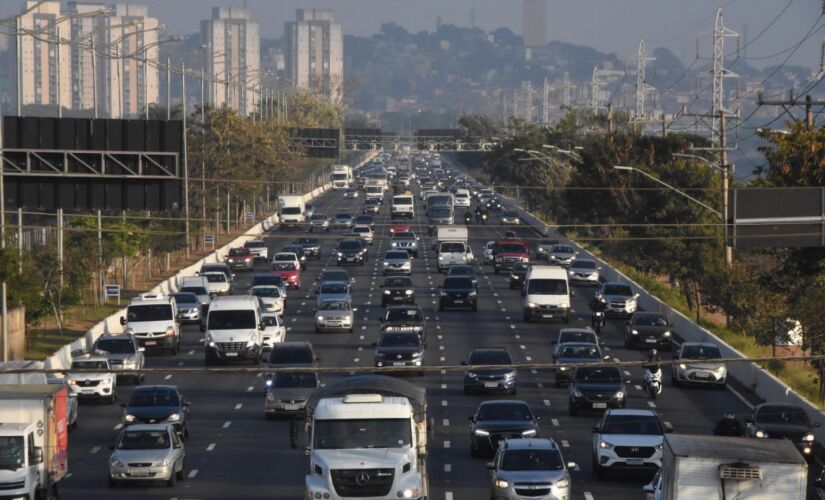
506,253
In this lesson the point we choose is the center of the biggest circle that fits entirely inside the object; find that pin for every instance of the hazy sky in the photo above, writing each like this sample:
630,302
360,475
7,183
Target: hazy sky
608,25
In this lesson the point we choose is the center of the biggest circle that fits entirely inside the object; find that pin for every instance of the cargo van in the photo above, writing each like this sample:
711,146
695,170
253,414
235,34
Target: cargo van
546,294
234,330
153,320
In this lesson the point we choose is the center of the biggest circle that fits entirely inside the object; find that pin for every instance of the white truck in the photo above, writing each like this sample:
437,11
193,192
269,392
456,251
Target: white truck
696,467
34,439
403,206
291,210
367,438
341,176
452,247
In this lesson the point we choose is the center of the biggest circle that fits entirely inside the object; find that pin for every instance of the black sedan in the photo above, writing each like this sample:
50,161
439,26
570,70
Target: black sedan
464,271
157,404
646,330
517,274
781,421
458,292
311,246
496,421
398,290
399,348
596,389
351,252
490,379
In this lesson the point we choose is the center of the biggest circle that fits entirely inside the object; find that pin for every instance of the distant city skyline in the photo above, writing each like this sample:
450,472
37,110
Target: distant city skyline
618,27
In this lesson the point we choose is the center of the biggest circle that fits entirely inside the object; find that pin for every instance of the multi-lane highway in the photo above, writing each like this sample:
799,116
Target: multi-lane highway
233,452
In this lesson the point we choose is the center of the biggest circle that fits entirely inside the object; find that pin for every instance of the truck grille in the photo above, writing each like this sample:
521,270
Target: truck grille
231,346
363,482
635,451
12,486
532,490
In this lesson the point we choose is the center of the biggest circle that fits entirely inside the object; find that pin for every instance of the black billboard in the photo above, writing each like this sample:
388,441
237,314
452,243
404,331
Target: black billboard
777,217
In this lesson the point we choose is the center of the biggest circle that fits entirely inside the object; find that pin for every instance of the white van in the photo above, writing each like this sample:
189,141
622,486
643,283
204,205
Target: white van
546,294
234,330
153,320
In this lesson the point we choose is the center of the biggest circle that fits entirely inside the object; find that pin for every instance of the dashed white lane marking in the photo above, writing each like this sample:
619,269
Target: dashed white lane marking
637,387
94,450
443,402
210,447
441,348
227,424
191,352
588,495
360,337
180,363
68,475
668,424
446,444
118,427
167,377
513,327
360,348
303,303
528,358
239,406
565,443
192,473
522,346
448,468
250,388
555,422
445,422
443,358
533,371
357,360
448,495
443,386
627,373
617,360
546,402
259,375
651,404
507,318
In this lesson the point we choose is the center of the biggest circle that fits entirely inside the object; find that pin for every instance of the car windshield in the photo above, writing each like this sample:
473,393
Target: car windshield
270,321
576,336
154,312
291,210
267,291
511,248
398,282
343,217
283,266
116,346
509,215
238,252
197,290
547,287
334,276
318,217
562,249
288,257
335,288
214,268
144,440
215,277
701,352
291,355
580,352
11,452
334,305
361,230
531,460
608,375
349,245
241,319
295,380
456,283
396,256
649,320
89,365
504,411
402,339
617,289
185,298
394,315
583,264
647,425
404,235
154,398
781,415
271,279
461,271
490,358
362,433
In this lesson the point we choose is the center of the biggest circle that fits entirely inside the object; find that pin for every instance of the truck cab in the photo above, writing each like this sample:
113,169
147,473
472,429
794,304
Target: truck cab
367,438
291,210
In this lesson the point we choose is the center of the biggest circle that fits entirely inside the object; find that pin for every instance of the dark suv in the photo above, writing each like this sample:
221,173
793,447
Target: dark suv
351,252
458,292
398,290
404,318
782,421
496,421
596,389
648,329
490,379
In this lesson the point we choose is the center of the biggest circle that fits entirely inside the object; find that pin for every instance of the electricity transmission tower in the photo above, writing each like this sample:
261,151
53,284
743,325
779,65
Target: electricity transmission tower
642,88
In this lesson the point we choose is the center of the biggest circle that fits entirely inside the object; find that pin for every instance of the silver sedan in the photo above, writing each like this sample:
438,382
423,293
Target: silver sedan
150,452
334,315
397,262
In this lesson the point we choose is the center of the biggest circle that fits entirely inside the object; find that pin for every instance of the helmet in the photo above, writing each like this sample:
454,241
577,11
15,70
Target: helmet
730,415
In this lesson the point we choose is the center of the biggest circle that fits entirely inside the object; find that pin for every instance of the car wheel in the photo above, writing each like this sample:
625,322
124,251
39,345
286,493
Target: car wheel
723,386
171,481
257,360
474,453
113,483
513,391
175,348
179,475
601,472
349,331
566,319
113,399
317,330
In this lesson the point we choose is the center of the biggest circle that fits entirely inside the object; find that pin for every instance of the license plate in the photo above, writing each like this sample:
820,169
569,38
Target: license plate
491,385
547,315
232,355
650,341
398,363
291,407
702,375
151,342
138,473
458,301
87,391
600,406
634,461
398,298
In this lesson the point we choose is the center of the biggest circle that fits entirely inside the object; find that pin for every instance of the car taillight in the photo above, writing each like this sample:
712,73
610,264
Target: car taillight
248,259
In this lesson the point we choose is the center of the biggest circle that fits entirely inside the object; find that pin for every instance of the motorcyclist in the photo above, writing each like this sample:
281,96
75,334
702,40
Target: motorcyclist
598,305
653,361
468,216
729,426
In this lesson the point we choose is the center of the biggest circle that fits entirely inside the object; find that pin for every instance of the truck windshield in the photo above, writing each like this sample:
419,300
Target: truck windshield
547,287
116,346
291,210
441,212
452,248
374,433
11,452
157,312
340,177
232,320
526,460
402,200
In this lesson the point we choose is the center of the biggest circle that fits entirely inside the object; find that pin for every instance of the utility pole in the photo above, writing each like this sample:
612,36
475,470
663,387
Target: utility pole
168,89
185,157
60,245
610,118
545,103
788,104
565,92
642,88
723,146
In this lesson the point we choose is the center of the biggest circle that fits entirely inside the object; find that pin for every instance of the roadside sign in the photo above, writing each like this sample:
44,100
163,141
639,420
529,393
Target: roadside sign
112,292
249,216
209,239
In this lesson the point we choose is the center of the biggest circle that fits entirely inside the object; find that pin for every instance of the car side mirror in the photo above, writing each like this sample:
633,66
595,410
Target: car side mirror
636,295
187,403
491,465
141,349
122,320
648,488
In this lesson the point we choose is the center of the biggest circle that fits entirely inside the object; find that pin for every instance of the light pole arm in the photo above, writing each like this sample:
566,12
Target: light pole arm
663,183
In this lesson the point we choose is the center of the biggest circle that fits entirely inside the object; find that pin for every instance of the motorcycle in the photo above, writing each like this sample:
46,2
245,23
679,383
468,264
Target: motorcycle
467,220
484,218
652,383
598,320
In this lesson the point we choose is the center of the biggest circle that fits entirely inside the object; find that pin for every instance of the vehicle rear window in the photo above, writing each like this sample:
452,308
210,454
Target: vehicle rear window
606,375
394,315
272,279
583,264
290,355
531,460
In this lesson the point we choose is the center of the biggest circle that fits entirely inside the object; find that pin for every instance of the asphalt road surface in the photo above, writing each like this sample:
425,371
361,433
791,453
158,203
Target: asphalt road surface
235,453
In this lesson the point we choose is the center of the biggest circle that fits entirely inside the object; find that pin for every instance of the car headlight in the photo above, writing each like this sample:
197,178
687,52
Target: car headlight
666,334
164,463
577,393
501,483
683,366
129,418
471,375
387,292
563,368
634,332
473,294
268,384
72,382
808,437
418,354
340,254
619,395
320,318
528,433
129,331
394,243
479,432
174,417
117,464
605,445
761,434
408,493
409,292
532,305
443,293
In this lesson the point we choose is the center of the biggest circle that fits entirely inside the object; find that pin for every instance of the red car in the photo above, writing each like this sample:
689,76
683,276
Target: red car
290,272
508,252
400,229
240,259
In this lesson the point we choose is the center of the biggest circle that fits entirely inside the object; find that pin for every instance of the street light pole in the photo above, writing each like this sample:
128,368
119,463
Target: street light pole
663,183
185,155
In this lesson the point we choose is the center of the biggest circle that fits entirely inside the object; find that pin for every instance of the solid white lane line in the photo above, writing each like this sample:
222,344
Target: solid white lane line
239,406
555,422
192,473
210,447
227,424
94,450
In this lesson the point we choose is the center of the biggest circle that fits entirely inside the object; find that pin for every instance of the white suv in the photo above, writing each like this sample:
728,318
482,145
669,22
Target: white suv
627,439
93,385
